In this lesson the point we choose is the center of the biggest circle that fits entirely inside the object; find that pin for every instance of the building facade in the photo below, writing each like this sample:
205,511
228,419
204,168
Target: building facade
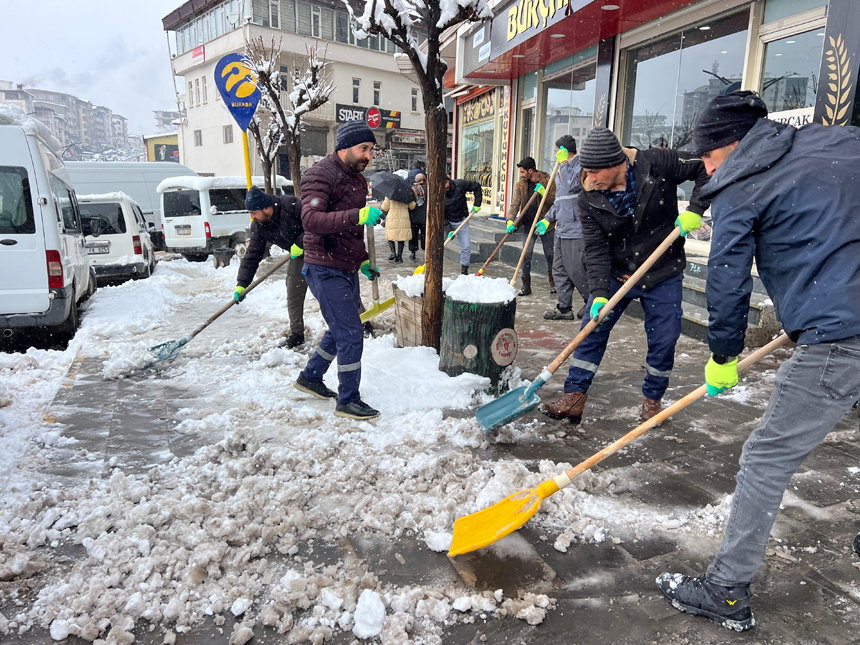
644,68
367,81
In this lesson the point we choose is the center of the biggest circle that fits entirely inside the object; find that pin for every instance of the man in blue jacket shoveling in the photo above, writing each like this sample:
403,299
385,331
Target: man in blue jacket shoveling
788,198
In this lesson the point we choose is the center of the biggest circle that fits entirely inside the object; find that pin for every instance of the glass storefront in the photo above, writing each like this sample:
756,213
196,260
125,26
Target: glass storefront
669,82
482,125
791,68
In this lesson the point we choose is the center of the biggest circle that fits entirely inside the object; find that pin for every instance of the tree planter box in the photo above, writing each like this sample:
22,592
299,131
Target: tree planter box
407,318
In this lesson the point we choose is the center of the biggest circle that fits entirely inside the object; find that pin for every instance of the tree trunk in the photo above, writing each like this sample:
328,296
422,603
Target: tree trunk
267,175
436,126
254,129
295,148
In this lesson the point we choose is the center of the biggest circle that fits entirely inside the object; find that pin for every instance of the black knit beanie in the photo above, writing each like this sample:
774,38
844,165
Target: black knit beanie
567,142
352,133
727,119
257,200
601,150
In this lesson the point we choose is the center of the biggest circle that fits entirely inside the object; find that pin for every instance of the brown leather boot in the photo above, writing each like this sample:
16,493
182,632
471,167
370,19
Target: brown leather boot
650,408
527,286
570,406
552,284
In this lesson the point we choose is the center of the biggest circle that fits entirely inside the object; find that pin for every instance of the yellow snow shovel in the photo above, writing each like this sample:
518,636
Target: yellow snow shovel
377,307
481,529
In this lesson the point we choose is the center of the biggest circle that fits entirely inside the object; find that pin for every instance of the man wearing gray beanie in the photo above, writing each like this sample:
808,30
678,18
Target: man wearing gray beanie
628,206
789,199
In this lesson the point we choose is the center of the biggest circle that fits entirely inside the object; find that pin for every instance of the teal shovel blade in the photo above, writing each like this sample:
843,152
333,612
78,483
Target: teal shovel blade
166,351
509,406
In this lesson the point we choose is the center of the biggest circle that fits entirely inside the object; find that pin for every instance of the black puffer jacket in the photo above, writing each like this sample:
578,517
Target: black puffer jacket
616,246
456,209
283,230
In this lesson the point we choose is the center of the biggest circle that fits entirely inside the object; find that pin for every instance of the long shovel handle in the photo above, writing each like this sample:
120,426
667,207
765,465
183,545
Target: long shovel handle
537,217
614,300
457,230
371,258
520,217
232,302
698,393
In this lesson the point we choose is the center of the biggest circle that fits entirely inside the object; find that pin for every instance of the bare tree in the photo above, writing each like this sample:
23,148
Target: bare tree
403,22
268,137
310,89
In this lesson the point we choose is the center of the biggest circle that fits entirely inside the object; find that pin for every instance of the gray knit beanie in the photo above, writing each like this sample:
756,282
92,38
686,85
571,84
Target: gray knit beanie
601,150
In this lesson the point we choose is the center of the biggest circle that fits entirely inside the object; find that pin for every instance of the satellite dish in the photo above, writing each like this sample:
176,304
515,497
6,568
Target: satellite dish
233,17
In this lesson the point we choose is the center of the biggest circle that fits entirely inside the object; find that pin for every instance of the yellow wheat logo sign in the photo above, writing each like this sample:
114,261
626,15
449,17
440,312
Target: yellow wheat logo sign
239,76
839,82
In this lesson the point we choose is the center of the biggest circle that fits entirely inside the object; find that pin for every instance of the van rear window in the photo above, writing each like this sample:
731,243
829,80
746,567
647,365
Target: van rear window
16,208
227,199
184,203
113,221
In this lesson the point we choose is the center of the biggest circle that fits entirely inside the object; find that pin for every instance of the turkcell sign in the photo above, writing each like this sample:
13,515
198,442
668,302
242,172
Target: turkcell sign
238,87
374,117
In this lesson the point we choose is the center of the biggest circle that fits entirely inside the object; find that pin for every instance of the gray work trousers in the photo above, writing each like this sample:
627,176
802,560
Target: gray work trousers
568,269
812,392
297,287
547,240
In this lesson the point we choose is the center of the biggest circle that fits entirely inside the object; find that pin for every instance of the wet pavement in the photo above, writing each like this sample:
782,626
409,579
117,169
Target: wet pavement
806,591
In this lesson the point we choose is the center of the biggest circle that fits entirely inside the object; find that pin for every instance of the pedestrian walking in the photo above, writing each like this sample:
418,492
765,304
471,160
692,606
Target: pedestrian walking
456,210
568,263
398,227
531,180
628,206
418,215
788,199
334,212
417,169
277,219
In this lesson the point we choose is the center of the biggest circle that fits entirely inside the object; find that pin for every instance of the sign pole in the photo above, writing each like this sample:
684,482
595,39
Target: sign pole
247,157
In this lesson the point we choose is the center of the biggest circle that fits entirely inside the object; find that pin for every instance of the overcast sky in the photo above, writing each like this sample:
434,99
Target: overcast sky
111,53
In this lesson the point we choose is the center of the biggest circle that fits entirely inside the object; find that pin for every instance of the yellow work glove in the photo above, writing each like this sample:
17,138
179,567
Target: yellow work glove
369,215
475,209
720,377
540,190
511,227
688,221
562,155
296,251
238,294
596,305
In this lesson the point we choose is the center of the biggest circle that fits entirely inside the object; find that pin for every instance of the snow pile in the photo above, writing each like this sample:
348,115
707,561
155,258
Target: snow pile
206,183
104,197
472,288
413,285
369,614
13,115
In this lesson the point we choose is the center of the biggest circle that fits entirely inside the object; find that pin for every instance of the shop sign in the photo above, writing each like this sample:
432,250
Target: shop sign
797,118
479,108
416,139
523,19
375,117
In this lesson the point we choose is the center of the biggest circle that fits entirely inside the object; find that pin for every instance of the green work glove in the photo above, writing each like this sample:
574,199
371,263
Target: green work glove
369,215
450,235
296,251
369,273
688,221
511,227
596,304
562,155
541,226
238,294
540,190
475,209
721,377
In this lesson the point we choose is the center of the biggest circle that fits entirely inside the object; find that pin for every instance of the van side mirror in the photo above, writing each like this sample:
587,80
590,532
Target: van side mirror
94,224
150,226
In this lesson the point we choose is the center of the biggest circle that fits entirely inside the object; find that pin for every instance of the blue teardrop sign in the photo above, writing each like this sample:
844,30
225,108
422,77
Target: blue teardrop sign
238,87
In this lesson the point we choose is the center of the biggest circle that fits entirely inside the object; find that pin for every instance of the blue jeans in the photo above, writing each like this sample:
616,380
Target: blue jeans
338,295
462,239
812,392
662,305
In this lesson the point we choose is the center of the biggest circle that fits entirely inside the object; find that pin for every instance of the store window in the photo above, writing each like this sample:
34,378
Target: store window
478,141
671,81
779,9
567,102
791,67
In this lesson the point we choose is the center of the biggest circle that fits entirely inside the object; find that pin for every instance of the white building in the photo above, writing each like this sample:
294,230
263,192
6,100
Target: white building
365,74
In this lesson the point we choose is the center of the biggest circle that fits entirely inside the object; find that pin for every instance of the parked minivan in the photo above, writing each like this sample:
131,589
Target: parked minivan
44,269
206,213
124,249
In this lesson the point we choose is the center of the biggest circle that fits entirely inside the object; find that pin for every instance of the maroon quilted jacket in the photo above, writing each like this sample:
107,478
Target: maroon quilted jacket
332,194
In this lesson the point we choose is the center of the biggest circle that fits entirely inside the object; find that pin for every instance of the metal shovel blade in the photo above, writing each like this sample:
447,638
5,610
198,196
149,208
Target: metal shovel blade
375,309
508,407
481,529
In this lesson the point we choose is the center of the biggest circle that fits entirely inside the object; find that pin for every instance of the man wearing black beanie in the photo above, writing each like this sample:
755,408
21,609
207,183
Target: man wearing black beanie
628,206
789,199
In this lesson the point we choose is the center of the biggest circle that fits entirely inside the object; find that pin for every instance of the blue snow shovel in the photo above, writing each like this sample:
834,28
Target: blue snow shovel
170,349
516,403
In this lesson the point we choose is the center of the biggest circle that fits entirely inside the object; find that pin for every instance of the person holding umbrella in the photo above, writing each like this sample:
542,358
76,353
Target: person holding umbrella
397,200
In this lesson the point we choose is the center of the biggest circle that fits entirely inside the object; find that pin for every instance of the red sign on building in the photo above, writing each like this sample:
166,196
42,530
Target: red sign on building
374,118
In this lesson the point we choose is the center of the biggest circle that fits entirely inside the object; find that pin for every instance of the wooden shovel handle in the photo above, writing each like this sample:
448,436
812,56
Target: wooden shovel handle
698,393
614,300
520,217
457,230
537,217
232,302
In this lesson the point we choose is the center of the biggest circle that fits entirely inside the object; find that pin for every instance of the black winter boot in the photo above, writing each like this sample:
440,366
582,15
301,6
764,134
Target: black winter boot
399,256
527,286
464,269
393,251
293,340
727,606
314,388
355,410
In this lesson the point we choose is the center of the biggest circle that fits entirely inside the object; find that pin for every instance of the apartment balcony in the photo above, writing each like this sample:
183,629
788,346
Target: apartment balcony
324,114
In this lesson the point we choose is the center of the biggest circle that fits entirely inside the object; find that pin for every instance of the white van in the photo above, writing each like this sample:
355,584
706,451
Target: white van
206,213
123,249
137,179
44,270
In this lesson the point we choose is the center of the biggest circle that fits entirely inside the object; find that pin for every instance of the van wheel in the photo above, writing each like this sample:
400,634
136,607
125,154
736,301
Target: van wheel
91,289
69,326
195,257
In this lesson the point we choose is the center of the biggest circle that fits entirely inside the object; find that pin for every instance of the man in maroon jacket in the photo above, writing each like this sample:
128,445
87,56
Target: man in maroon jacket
334,212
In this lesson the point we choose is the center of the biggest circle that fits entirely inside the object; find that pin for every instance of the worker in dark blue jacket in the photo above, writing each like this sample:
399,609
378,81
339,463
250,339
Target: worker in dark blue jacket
790,200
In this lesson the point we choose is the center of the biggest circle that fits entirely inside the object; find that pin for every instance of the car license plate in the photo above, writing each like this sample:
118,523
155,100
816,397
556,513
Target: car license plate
96,250
183,230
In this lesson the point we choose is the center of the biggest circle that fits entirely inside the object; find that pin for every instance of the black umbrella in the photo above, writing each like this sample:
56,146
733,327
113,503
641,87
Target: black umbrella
387,184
